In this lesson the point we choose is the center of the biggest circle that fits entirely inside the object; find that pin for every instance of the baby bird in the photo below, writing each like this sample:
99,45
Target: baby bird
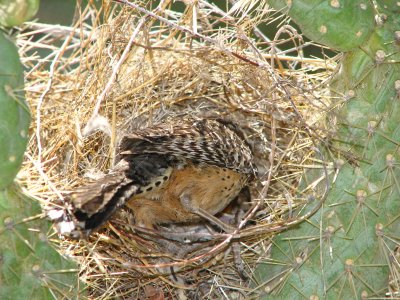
169,173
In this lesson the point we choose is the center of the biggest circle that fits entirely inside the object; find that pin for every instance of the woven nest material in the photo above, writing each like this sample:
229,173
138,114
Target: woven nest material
119,68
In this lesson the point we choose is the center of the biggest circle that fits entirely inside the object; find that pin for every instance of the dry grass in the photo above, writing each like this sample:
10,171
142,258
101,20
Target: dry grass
119,68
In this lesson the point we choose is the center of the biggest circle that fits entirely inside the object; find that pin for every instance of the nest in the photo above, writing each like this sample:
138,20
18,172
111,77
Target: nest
122,67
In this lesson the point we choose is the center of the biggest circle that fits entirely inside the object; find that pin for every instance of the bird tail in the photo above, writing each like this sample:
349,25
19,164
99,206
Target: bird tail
90,206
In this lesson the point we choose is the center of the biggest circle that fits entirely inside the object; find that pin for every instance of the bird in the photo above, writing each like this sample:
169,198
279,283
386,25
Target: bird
178,171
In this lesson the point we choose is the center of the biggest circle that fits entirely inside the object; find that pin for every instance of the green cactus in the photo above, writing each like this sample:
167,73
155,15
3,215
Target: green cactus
342,25
15,12
14,112
30,268
347,250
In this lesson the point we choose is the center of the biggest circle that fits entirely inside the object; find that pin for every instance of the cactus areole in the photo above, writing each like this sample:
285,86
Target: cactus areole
349,249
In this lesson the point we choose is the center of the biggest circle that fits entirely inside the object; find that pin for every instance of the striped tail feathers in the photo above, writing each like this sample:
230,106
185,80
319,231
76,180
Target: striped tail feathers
94,197
92,205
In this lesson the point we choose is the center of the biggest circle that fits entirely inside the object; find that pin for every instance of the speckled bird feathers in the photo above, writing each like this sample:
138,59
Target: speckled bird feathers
203,141
146,159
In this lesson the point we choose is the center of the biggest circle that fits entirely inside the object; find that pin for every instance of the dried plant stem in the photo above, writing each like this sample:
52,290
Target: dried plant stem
110,82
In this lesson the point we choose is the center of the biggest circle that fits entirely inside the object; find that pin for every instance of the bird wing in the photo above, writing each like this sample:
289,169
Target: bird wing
202,141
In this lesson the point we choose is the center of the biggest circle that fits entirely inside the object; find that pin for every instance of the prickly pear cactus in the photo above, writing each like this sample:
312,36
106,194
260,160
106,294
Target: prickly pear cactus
30,268
347,250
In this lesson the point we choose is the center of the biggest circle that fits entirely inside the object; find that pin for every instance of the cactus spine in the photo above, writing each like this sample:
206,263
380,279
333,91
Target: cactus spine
349,249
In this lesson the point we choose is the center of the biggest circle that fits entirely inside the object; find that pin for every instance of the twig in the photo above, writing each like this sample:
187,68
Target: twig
43,95
110,82
192,33
53,30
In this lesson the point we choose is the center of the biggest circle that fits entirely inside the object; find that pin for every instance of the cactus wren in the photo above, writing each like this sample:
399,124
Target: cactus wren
173,172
